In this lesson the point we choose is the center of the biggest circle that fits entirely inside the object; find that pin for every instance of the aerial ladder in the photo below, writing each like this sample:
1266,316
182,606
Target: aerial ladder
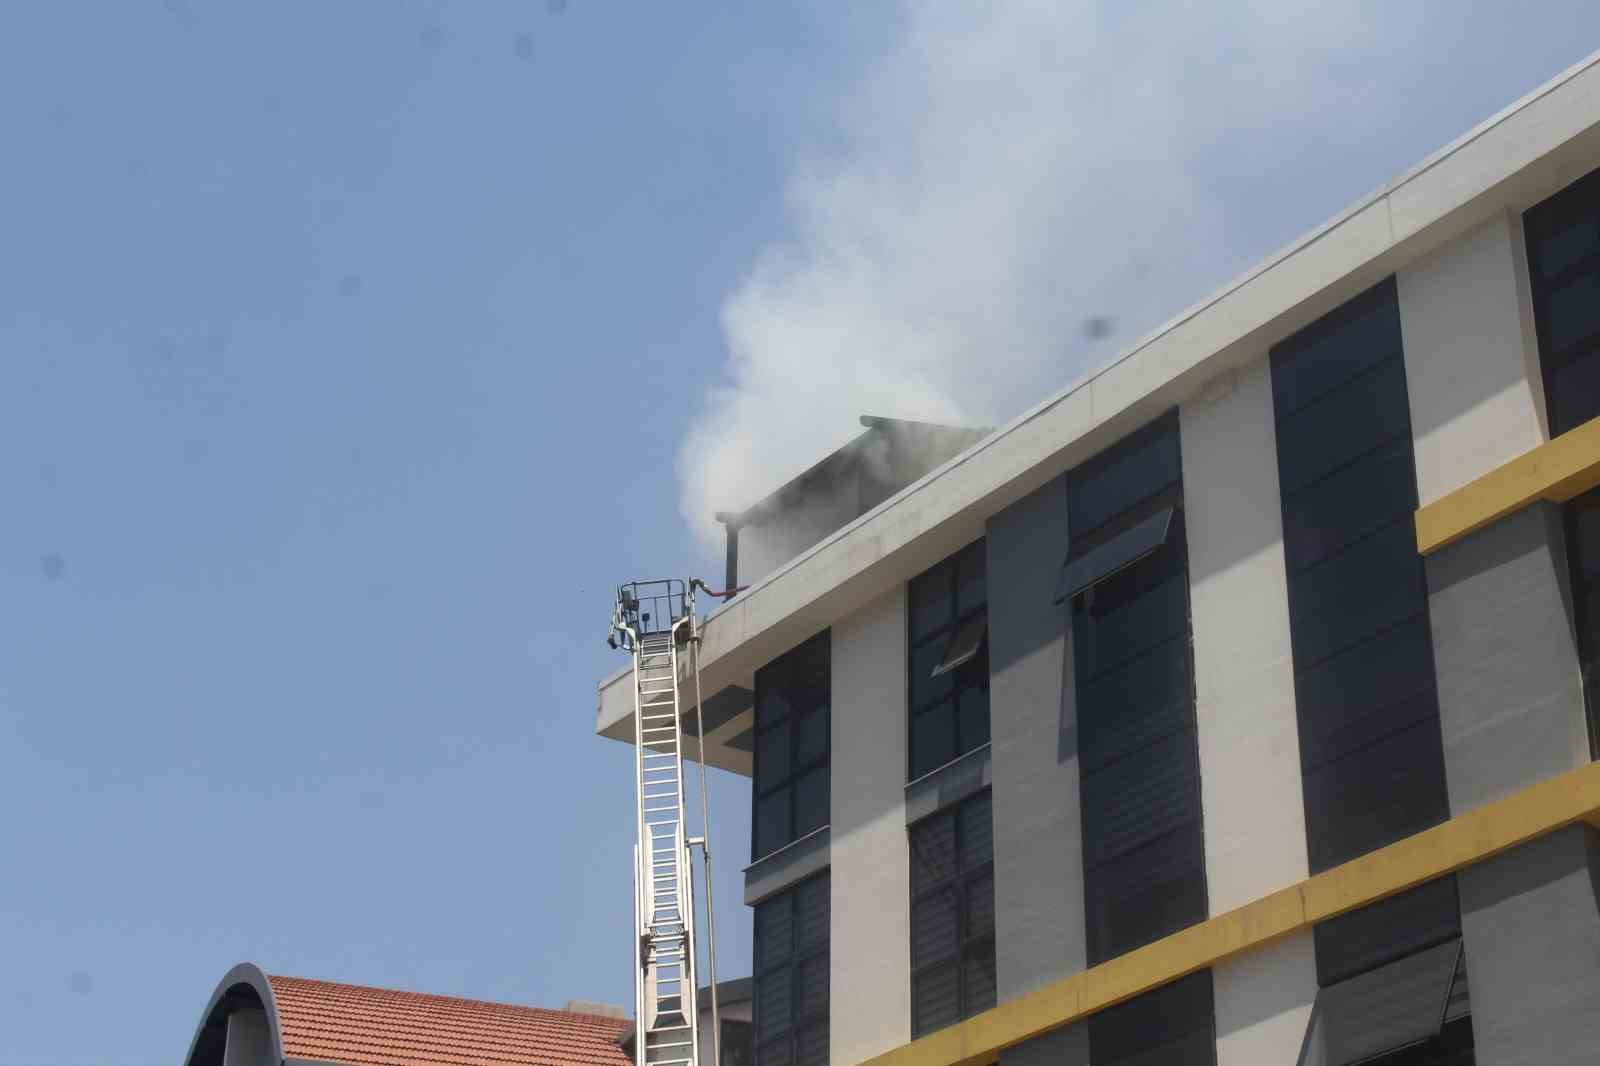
656,622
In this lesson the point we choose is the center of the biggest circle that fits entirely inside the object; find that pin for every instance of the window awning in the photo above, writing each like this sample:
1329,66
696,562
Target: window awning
964,644
1384,1010
1087,569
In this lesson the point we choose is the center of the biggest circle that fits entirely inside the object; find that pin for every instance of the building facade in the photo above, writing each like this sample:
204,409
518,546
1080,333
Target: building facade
1234,705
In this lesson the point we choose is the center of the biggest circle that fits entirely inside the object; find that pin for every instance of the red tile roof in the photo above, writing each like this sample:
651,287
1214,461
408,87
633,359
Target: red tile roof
381,1027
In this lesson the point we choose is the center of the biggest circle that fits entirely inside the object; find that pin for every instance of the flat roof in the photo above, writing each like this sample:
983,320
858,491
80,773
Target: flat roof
1528,151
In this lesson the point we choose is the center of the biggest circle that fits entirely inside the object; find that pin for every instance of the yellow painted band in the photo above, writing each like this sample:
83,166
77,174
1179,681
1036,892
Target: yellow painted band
1556,471
1461,842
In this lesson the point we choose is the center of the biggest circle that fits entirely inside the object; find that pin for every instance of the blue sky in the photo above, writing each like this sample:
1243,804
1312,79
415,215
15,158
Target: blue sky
350,352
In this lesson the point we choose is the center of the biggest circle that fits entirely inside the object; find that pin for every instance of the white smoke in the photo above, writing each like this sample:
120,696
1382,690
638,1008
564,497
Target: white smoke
1002,183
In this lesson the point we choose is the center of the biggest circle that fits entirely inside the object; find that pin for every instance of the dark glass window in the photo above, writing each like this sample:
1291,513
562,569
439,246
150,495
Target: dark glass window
1372,760
1564,265
952,915
791,976
735,1043
948,661
1393,985
1173,1024
1144,859
790,786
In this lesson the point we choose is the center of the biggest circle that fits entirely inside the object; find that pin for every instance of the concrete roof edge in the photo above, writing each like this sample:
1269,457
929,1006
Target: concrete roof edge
250,975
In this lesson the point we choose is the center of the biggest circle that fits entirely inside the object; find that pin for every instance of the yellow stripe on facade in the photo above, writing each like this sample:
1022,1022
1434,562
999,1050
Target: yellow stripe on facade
1556,471
1461,842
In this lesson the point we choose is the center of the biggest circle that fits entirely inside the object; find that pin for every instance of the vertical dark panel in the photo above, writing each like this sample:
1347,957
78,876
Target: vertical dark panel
1358,600
1172,1024
948,714
952,915
791,976
789,787
1563,236
1371,752
1144,857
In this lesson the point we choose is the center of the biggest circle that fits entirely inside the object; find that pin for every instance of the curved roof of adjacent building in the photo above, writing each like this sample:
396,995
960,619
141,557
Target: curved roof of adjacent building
323,1021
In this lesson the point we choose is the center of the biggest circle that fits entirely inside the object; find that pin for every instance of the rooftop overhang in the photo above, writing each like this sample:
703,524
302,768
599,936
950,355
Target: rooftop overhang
1510,162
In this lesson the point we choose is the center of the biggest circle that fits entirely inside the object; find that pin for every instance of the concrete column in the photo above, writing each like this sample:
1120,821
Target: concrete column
1255,828
1510,695
1472,361
1532,933
1249,740
248,1042
1038,851
1510,692
1263,1002
1499,604
870,971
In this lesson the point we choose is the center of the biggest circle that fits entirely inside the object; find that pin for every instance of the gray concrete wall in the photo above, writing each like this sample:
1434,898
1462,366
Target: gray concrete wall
1263,1002
248,1042
1510,693
1038,852
1532,933
1472,363
1255,833
870,981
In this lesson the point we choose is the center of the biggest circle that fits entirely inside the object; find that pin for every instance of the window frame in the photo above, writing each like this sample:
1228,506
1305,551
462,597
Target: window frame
762,784
959,880
970,676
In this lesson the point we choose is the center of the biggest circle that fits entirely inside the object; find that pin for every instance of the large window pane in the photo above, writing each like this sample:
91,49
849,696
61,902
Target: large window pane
1134,685
1145,894
772,828
1343,425
774,929
1139,799
952,914
772,753
1374,491
936,995
935,929
1331,351
932,739
1358,599
811,801
948,662
1172,1024
1375,796
791,975
1139,467
791,746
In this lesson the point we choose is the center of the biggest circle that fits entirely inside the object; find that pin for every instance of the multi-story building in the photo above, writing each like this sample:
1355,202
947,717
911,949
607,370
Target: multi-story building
1232,705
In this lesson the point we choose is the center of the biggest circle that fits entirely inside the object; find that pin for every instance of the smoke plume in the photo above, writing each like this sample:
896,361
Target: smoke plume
1010,193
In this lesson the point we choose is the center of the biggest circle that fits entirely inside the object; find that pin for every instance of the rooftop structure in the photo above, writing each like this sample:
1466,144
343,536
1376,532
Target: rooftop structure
253,1019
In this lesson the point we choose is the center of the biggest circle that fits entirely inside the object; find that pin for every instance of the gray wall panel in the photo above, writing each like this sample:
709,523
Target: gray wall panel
1038,831
1510,698
1532,933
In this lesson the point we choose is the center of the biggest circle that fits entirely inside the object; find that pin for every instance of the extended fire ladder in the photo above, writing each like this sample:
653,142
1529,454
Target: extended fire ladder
656,621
